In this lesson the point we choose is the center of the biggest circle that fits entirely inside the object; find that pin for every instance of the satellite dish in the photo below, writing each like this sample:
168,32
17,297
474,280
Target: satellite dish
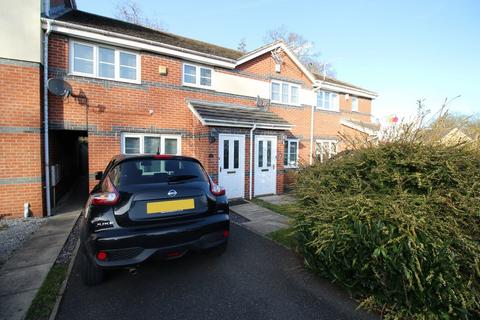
59,87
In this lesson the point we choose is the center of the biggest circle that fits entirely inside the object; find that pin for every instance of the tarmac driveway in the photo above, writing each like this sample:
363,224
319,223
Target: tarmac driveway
254,279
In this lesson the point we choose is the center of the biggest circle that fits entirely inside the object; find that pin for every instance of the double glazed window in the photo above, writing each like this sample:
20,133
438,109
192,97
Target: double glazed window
286,93
227,153
290,155
197,76
327,100
354,104
133,143
325,149
104,62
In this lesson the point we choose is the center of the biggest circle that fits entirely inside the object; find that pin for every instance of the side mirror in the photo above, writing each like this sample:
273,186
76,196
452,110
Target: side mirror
98,175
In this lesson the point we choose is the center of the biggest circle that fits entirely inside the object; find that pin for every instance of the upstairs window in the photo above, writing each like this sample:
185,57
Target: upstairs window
327,100
286,93
290,155
197,76
104,62
355,104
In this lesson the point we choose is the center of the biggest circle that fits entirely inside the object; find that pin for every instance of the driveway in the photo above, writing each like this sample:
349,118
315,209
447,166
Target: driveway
254,279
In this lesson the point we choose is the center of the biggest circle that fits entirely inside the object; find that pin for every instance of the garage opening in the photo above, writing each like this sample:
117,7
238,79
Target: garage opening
69,170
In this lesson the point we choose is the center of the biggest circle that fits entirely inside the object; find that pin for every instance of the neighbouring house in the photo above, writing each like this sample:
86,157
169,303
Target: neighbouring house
249,118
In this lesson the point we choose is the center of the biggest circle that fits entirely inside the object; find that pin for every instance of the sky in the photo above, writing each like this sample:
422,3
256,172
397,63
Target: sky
404,50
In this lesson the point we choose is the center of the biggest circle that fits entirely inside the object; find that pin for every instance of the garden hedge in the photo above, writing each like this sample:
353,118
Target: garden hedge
397,224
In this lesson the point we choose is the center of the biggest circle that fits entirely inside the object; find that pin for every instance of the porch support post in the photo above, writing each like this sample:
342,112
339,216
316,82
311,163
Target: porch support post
251,163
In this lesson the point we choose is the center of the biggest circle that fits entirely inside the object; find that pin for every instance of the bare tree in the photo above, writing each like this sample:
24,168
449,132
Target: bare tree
242,45
304,49
130,11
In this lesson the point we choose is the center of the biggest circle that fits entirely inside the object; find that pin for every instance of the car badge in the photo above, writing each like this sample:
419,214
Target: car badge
172,193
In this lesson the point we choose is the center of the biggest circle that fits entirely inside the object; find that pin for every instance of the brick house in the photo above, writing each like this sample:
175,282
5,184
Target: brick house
249,118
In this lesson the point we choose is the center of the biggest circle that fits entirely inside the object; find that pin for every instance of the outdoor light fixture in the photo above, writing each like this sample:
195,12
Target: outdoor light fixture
213,136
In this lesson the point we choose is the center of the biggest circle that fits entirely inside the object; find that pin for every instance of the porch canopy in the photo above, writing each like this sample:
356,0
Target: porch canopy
227,115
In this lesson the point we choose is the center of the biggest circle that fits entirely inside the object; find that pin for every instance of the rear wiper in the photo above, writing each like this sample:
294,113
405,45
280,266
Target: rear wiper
181,177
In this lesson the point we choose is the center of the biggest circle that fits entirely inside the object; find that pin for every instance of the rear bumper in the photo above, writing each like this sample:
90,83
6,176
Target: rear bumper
132,246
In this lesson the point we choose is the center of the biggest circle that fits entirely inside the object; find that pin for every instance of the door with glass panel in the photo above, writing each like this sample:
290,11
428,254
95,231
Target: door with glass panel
265,178
231,164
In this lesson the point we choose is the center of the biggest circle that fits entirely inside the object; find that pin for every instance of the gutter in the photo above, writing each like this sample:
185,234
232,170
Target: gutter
45,119
251,163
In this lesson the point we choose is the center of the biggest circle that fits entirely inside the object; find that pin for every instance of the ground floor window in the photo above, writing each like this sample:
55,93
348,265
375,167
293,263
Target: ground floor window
326,149
290,155
146,143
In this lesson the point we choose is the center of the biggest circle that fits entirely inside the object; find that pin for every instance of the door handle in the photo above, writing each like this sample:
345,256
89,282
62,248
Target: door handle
220,169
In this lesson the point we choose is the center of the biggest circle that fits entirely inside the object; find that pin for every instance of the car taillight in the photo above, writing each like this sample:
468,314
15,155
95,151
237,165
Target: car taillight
215,189
109,195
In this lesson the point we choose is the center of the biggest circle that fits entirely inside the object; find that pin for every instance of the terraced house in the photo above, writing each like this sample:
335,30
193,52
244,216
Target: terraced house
123,88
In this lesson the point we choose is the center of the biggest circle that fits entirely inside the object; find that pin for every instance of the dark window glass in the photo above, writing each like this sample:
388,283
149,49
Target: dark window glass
145,171
260,153
269,153
226,153
235,153
285,153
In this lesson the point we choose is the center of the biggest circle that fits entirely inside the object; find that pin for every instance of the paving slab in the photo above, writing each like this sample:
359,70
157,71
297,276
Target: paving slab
23,274
261,220
279,199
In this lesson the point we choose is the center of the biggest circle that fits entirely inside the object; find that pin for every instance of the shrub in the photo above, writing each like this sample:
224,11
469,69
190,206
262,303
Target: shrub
398,224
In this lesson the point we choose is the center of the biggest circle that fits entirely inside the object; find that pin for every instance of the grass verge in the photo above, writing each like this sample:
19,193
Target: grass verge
46,297
287,210
285,237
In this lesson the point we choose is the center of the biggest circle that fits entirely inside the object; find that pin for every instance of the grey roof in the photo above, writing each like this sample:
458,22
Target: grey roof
368,125
215,114
91,20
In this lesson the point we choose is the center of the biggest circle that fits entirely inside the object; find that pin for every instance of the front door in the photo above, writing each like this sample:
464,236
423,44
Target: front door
265,165
231,164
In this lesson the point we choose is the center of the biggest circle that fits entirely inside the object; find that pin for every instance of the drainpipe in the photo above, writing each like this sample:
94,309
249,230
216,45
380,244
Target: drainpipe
312,123
311,134
45,118
251,162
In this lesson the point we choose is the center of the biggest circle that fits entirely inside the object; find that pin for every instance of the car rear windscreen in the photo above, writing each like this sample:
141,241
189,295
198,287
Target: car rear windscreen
145,171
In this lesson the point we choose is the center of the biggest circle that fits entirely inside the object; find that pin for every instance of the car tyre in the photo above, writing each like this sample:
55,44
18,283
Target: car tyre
218,251
90,273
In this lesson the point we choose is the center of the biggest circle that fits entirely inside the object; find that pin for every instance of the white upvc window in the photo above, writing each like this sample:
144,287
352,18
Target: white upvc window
354,104
325,149
285,93
148,143
327,100
290,155
104,62
197,76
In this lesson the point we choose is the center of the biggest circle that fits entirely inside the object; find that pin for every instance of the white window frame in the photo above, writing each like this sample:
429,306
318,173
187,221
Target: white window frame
287,142
354,105
330,152
197,76
96,62
142,141
334,103
290,85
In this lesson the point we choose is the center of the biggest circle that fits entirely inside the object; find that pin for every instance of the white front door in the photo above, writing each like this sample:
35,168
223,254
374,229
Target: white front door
231,164
265,165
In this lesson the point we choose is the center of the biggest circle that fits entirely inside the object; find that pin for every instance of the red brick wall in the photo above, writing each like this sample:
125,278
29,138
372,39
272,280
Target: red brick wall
20,138
115,107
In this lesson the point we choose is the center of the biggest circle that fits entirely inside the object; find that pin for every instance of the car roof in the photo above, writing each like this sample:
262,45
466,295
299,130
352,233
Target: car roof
123,157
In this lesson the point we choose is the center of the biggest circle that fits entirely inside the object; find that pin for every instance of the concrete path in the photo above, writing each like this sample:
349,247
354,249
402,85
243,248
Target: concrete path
279,199
262,220
23,274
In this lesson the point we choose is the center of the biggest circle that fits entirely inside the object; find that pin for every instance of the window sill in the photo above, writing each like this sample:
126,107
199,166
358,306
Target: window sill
198,86
290,167
327,110
285,104
77,74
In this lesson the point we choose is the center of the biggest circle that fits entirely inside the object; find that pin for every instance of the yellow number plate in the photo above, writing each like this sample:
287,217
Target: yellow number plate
170,206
